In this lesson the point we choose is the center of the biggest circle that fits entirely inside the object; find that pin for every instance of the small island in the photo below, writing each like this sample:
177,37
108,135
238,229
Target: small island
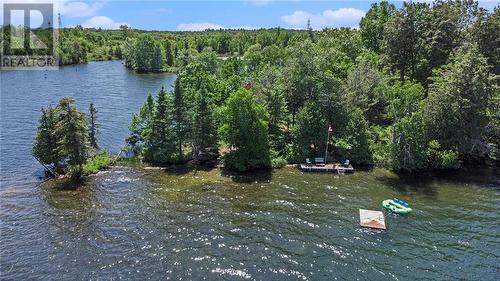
66,141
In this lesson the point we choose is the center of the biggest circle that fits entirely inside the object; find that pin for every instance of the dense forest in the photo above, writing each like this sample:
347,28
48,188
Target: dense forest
413,88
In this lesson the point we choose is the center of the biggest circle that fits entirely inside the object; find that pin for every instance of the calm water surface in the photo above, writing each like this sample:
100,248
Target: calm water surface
138,223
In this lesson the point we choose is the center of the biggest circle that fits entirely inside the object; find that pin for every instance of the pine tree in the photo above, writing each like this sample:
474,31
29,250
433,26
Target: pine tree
204,129
45,147
169,55
140,125
159,142
93,127
73,133
157,60
180,117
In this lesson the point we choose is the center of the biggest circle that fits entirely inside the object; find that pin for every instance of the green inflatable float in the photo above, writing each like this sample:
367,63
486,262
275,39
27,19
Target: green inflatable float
397,206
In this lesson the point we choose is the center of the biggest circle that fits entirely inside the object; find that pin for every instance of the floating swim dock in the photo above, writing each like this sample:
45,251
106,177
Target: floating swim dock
371,219
331,168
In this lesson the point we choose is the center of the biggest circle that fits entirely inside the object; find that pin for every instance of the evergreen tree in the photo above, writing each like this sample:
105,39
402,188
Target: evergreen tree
73,133
140,125
269,89
159,141
45,147
169,55
129,52
157,59
302,71
93,127
204,135
180,117
456,109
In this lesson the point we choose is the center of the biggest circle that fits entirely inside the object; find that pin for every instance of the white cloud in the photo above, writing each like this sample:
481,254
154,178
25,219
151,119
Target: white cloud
348,17
201,26
17,18
78,9
102,22
66,8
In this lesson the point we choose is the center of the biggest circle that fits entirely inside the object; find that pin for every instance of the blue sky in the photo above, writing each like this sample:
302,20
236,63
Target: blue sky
199,15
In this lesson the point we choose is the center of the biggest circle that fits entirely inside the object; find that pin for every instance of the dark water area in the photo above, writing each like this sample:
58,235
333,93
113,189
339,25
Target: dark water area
115,91
138,223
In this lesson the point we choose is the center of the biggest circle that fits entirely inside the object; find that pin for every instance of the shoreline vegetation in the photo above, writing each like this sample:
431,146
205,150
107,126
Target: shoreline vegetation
66,141
413,89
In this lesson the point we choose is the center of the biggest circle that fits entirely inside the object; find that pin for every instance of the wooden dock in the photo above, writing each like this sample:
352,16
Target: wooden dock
331,168
371,219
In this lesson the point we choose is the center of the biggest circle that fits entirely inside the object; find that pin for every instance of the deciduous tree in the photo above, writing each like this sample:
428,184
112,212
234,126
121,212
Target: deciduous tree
243,130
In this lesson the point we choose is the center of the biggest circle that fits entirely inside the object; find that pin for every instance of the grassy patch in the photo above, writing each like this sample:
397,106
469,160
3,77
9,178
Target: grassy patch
97,163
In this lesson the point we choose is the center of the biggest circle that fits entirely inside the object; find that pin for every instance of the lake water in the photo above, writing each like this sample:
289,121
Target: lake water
135,223
115,91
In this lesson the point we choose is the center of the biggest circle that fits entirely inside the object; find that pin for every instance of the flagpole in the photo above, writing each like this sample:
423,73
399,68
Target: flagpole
326,149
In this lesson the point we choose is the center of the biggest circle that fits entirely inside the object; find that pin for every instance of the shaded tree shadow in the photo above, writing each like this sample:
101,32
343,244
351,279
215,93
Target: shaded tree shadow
261,175
68,194
426,182
65,184
410,183
365,168
186,168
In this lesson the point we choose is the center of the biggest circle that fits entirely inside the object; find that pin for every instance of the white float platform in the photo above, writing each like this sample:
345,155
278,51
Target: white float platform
371,219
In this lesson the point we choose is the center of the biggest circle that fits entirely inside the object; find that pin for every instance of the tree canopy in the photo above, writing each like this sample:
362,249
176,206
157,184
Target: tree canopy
414,88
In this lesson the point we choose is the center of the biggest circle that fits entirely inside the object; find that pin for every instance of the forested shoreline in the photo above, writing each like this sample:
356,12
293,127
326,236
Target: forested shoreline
412,89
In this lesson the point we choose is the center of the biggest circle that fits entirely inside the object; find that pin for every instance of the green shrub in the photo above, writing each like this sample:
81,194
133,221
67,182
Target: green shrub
97,163
449,159
278,162
441,159
380,146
